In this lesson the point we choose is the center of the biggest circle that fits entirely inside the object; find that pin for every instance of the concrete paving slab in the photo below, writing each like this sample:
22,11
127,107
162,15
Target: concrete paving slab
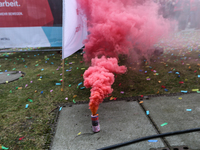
120,121
173,111
9,76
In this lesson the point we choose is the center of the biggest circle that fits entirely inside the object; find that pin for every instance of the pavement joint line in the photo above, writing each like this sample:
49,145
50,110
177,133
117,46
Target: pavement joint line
165,142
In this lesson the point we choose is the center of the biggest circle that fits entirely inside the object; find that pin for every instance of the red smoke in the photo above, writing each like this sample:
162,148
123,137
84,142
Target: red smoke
116,26
100,77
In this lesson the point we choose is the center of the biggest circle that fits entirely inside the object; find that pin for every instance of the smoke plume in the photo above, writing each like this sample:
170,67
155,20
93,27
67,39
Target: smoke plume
100,77
118,26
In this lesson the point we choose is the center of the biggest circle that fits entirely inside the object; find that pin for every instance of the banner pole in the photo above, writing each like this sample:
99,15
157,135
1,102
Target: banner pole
63,65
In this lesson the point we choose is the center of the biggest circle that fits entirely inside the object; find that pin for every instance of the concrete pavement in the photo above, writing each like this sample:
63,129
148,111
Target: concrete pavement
122,121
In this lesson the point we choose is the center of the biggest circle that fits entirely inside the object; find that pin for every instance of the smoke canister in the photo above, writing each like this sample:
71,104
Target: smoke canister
95,123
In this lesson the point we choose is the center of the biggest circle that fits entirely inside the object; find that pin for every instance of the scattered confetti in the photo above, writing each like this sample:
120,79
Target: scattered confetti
80,83
60,109
21,138
195,90
30,100
112,98
180,98
2,147
183,91
74,101
163,124
163,87
152,140
147,112
26,106
188,109
66,98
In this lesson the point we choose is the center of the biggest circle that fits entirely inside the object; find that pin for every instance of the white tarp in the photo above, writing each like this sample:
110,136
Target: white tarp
74,28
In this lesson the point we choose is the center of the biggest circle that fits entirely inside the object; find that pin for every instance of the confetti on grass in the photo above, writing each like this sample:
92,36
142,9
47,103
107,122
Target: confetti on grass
21,138
2,147
26,106
30,100
60,109
195,90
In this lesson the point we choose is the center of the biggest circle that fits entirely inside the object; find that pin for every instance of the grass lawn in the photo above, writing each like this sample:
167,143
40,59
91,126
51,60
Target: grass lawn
32,123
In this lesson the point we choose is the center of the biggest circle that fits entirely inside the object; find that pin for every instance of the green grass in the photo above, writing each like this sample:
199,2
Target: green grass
33,122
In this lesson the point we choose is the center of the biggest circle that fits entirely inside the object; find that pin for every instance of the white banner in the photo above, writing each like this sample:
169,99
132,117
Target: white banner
30,23
23,37
74,28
